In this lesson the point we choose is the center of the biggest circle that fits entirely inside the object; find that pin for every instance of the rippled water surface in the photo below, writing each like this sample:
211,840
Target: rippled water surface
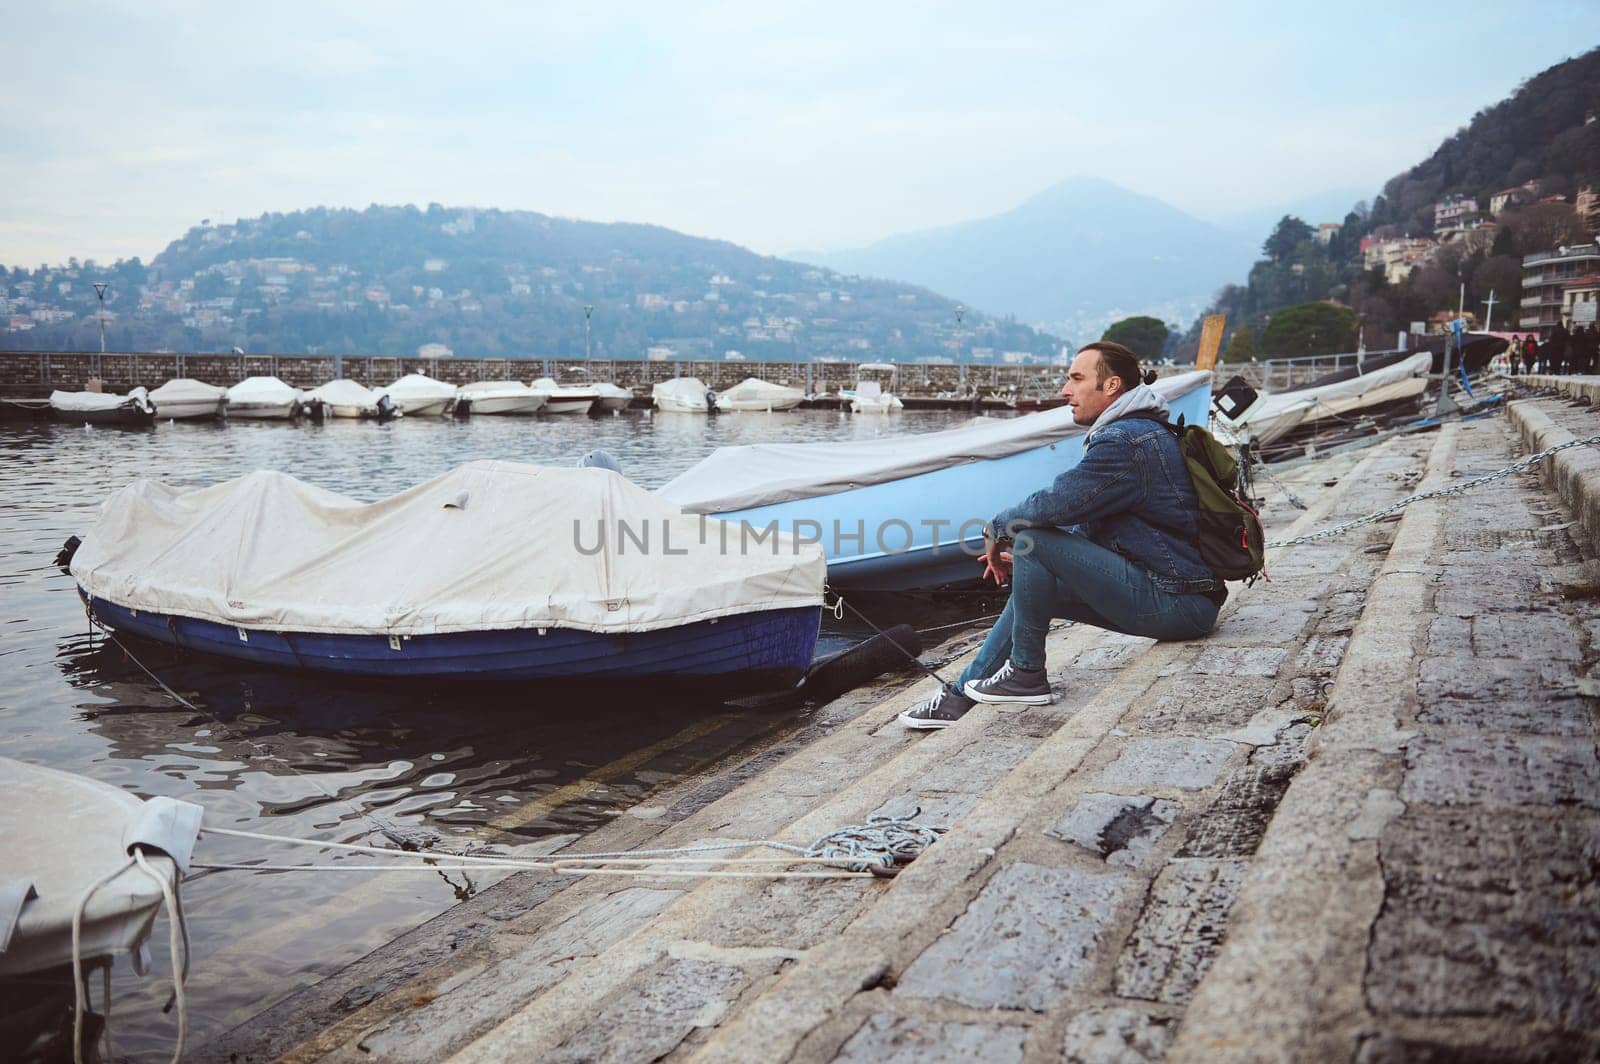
311,757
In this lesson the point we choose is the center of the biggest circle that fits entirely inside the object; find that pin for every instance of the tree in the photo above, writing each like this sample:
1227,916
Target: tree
1241,346
1287,236
1310,329
1144,335
1545,226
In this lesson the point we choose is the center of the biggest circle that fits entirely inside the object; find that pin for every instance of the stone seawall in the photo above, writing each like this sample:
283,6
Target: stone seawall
37,373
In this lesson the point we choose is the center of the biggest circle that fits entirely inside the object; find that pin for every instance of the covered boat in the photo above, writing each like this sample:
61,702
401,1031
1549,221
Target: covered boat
681,395
263,398
419,395
103,408
565,398
347,398
870,398
755,394
500,397
186,399
610,398
1275,415
901,511
495,570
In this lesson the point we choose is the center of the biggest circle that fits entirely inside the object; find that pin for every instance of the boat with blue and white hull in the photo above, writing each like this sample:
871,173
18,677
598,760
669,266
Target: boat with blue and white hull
905,511
493,571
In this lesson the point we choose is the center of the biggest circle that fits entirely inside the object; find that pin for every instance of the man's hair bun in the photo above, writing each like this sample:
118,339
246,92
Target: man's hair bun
1149,376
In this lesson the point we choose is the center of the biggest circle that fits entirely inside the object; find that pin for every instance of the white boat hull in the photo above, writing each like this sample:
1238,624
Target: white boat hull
188,409
261,411
349,410
507,404
568,406
611,403
755,406
886,404
424,407
672,405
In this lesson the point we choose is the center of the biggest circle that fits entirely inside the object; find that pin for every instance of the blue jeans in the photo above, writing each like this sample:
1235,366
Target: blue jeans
1066,575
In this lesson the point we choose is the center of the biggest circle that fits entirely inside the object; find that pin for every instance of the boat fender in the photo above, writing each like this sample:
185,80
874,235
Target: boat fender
167,825
599,460
68,550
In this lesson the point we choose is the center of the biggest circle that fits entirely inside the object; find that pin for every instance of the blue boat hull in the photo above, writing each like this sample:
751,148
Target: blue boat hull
926,530
746,652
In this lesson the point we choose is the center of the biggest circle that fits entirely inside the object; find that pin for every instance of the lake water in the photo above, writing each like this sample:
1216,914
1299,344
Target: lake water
310,757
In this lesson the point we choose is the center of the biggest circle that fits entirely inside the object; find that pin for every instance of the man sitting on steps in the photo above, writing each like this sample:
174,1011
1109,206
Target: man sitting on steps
1112,543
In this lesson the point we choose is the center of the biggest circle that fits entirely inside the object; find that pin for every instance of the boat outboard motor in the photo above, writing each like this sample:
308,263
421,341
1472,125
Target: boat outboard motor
600,460
387,411
711,402
314,410
68,549
463,407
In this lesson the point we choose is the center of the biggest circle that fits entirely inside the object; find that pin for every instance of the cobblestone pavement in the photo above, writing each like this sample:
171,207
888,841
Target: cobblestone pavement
1154,865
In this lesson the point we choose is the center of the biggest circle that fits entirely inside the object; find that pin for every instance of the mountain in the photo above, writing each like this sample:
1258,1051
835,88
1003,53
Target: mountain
1071,259
485,283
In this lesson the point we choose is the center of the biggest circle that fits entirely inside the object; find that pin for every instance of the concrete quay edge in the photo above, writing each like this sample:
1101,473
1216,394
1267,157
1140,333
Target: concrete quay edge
1573,474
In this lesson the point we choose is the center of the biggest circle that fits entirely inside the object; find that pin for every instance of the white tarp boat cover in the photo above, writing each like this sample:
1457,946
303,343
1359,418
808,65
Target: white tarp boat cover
186,390
738,478
607,390
344,392
756,390
63,833
1271,416
266,391
689,390
416,387
92,402
490,545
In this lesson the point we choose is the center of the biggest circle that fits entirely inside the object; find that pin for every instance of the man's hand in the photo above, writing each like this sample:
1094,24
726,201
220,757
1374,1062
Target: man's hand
996,560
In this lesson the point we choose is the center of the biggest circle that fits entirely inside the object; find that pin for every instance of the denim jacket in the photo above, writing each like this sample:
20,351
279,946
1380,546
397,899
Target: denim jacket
1130,493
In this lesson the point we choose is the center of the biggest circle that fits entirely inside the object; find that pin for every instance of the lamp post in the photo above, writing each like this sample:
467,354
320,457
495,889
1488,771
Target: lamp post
587,311
100,315
961,366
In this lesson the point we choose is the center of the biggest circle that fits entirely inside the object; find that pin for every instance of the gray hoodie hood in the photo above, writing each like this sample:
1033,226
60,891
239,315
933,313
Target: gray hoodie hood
1141,400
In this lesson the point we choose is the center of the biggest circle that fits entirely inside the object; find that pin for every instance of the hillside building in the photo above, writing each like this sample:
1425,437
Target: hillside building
1580,300
1545,277
1453,211
1327,231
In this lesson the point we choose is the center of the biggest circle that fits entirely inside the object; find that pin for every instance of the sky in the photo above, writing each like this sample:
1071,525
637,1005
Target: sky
779,126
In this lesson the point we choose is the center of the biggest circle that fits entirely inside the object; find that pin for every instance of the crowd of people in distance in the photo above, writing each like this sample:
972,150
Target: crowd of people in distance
1577,351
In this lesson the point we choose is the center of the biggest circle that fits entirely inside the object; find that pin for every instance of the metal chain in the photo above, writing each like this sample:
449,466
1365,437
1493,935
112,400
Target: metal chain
1437,493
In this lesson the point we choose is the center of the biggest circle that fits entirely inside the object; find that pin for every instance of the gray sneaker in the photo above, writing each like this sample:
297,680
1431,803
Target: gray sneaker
1029,687
942,710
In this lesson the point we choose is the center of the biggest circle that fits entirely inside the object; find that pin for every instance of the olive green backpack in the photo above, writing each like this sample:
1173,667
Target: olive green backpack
1232,541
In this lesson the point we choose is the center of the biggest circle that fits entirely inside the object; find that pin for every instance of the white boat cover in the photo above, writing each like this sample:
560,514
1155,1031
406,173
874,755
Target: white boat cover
1272,416
607,390
686,391
757,391
92,402
186,390
344,392
490,545
417,387
266,391
738,478
62,834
